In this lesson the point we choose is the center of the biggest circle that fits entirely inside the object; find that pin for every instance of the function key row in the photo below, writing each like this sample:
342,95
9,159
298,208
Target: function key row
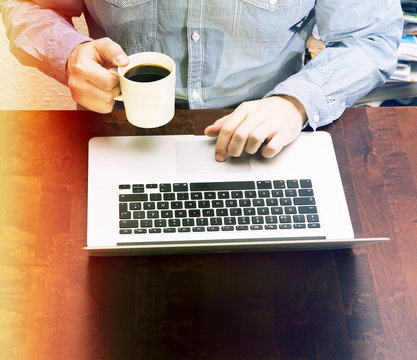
219,186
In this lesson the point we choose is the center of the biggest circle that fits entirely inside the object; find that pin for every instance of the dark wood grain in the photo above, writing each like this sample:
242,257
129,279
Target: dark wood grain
57,303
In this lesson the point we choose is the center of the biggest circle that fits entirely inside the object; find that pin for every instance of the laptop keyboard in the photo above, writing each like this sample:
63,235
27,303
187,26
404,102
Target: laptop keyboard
217,206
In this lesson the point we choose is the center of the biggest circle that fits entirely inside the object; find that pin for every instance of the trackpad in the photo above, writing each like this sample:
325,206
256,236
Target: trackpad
198,157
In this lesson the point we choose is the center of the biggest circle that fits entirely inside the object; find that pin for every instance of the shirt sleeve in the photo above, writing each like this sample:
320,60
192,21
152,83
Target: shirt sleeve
361,39
42,36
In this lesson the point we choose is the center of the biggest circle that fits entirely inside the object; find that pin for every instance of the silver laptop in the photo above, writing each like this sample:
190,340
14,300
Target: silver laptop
168,195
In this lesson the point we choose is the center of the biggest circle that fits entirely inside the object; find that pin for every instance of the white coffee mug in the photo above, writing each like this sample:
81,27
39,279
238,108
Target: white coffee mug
148,104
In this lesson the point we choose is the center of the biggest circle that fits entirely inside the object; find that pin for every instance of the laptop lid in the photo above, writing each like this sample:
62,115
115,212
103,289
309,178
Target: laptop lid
118,164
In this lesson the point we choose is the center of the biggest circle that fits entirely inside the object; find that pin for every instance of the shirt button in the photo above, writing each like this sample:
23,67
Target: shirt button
195,36
316,118
272,2
195,94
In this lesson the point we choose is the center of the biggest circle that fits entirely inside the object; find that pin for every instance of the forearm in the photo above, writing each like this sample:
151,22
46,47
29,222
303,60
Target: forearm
354,62
41,37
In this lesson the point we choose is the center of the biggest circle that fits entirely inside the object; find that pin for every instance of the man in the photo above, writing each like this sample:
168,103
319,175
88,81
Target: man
228,52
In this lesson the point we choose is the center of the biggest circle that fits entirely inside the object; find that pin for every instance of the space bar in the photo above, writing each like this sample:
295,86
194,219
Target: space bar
223,185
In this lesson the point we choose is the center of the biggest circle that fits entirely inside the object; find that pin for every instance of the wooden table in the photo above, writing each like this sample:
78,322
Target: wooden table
57,303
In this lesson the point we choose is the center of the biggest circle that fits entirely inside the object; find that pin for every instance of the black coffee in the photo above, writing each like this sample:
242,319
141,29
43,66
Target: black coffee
147,73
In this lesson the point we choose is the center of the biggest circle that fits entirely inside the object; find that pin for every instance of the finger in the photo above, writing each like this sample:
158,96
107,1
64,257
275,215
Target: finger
108,50
258,136
243,134
226,133
214,129
274,146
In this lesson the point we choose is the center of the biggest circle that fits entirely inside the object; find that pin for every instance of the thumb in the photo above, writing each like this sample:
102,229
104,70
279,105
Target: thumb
110,51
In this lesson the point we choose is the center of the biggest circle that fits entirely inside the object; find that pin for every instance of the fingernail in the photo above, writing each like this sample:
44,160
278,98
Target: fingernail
121,59
219,156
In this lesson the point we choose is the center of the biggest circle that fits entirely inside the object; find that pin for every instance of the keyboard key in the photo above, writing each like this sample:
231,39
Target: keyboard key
133,197
162,205
125,231
146,223
152,214
188,222
169,196
182,196
299,226
135,206
227,185
237,194
290,210
228,228
202,222
194,213
264,184
174,222
257,220
180,213
290,192
284,219
170,230
125,215
213,228
306,183
271,227
262,211
277,210
160,223
128,224
313,218
139,214
176,205
305,192
235,212
307,209
184,229
165,187
140,231
217,203
228,220
256,227
258,202
314,225
180,187
249,211
292,184
208,212
124,186
304,201
243,220
250,194
165,214
279,184
231,203
222,212
196,195
244,203
264,194
151,186
204,204
155,197
285,226
299,218
199,229
149,206
209,195
285,201
242,227
190,204
272,202
271,219
277,193
216,221
223,195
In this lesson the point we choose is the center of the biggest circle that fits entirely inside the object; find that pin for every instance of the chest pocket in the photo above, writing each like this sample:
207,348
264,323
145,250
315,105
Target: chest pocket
265,22
130,23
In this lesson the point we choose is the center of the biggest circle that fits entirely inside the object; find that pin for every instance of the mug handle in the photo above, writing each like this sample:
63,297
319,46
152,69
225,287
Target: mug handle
120,96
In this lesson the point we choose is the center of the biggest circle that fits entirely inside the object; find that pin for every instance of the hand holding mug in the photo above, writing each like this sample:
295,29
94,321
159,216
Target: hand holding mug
91,83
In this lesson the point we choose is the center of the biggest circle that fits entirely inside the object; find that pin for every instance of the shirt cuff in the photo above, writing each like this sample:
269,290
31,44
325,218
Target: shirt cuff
319,111
61,49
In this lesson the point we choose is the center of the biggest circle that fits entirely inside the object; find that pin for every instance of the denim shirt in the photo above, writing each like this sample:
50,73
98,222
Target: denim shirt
230,51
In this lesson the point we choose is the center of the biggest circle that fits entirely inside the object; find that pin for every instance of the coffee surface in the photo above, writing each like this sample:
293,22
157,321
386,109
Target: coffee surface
147,73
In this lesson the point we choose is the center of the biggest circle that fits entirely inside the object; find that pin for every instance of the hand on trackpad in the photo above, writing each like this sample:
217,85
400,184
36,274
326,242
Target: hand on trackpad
197,156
